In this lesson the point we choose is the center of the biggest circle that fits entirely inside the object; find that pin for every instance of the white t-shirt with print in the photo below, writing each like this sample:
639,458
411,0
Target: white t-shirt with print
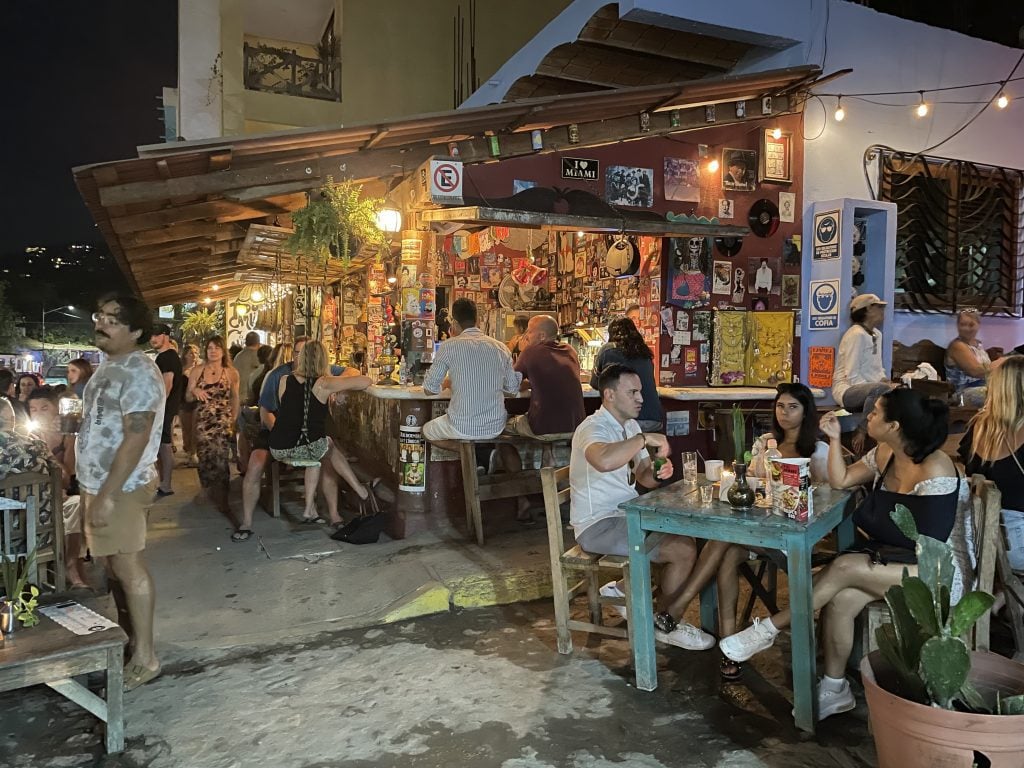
131,384
595,495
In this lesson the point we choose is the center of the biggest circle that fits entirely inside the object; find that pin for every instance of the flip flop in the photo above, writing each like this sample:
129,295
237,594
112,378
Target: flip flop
136,675
242,534
312,520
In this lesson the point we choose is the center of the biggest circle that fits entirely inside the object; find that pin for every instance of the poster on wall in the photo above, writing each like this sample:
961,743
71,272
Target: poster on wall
826,235
411,459
626,185
738,168
820,365
682,179
824,304
689,271
722,277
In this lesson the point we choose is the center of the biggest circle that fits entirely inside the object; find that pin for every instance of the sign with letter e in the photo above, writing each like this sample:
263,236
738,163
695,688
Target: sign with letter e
824,304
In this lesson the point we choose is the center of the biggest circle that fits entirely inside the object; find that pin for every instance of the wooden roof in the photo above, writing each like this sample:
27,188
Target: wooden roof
177,216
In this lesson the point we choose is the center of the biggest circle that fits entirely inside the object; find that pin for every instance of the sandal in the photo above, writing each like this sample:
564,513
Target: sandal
316,520
136,675
371,502
242,534
730,670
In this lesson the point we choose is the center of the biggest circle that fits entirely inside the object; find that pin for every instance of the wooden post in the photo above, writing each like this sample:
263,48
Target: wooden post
414,413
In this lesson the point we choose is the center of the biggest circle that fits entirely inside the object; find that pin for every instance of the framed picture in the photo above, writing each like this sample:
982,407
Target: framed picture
776,158
738,169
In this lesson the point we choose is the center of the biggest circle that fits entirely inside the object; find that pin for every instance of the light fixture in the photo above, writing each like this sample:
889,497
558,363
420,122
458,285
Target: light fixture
390,273
207,300
713,165
389,219
922,108
776,133
581,234
215,287
257,295
241,310
840,112
71,307
1002,101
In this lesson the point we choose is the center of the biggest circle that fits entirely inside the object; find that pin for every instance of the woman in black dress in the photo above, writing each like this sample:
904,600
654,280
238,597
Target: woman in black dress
626,346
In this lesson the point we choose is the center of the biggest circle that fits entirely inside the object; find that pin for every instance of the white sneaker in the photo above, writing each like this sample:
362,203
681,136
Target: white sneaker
687,636
611,589
744,644
832,702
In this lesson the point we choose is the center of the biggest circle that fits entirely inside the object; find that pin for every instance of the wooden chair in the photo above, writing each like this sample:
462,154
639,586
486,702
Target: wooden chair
33,519
584,568
477,488
986,509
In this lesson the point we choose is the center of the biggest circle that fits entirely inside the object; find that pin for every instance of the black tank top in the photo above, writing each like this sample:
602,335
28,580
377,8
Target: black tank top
288,426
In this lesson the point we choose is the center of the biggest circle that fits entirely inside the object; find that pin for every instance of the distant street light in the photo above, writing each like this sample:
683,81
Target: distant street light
47,312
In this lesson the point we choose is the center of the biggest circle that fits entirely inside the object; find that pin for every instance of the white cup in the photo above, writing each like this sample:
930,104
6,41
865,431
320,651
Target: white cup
713,470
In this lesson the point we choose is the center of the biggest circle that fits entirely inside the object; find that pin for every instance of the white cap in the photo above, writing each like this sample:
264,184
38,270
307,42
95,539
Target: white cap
865,300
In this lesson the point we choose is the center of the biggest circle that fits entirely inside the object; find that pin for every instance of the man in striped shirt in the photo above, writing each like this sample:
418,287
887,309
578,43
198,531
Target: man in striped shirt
479,372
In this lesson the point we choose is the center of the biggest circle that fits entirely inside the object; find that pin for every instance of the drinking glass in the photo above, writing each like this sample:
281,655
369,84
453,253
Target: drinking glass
690,467
707,494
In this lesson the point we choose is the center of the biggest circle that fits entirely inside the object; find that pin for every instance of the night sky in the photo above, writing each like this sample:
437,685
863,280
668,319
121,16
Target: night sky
82,86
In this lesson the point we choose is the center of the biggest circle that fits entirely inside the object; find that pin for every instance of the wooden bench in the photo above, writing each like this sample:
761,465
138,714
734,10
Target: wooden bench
574,571
507,485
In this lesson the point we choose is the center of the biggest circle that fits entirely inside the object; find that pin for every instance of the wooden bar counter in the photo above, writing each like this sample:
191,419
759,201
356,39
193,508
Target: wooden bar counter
370,425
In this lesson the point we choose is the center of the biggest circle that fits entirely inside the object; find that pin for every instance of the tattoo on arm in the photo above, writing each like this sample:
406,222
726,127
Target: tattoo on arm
138,423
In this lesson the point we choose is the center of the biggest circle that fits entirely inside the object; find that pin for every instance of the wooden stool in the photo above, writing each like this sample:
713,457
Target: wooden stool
581,566
508,485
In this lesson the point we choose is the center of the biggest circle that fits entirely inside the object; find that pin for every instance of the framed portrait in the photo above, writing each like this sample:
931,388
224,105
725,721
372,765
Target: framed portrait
738,169
776,158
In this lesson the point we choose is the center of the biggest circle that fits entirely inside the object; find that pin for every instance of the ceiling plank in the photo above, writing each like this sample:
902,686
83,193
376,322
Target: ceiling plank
222,210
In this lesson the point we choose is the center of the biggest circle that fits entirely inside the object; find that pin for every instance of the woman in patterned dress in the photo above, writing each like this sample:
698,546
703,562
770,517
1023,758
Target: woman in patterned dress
214,386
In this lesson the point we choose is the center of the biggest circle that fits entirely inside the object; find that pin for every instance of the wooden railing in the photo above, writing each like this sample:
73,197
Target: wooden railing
280,70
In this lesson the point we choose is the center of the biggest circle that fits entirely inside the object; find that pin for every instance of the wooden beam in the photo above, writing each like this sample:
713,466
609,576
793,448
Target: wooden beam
182,231
222,210
378,137
216,182
192,244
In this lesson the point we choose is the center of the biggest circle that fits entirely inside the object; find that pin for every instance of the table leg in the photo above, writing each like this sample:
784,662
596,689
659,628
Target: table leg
805,698
641,619
845,534
709,608
115,700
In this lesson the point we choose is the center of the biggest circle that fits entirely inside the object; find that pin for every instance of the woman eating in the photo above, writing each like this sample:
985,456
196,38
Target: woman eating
967,363
907,467
627,347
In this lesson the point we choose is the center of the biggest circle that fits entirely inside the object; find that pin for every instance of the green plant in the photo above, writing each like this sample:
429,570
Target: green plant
200,325
334,216
924,642
16,571
739,434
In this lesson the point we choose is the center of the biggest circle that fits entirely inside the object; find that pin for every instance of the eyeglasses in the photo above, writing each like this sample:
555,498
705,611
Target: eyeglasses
104,319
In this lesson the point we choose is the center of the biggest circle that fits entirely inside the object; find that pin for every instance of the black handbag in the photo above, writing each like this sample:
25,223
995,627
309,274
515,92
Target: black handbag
362,530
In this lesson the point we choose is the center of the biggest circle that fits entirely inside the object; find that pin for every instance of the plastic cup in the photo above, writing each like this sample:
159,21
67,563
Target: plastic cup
707,494
713,470
690,467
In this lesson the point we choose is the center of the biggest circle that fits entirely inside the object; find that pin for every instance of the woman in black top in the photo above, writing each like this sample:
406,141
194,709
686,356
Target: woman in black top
994,445
626,346
303,396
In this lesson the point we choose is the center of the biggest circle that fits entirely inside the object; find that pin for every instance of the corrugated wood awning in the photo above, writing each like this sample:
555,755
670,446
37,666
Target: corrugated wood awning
177,216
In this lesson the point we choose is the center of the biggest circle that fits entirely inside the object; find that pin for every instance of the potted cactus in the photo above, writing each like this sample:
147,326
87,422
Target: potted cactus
931,700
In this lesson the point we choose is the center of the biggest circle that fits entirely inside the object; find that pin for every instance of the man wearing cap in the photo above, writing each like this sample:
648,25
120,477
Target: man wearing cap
859,377
169,363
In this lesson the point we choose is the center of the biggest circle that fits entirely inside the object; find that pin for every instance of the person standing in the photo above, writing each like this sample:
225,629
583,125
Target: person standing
116,449
214,385
169,363
247,363
626,346
79,371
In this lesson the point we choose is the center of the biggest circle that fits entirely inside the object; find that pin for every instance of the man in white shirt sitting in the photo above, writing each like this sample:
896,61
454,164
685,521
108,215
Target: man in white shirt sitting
609,455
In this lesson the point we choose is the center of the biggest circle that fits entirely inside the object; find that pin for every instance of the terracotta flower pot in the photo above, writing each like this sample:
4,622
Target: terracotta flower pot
912,735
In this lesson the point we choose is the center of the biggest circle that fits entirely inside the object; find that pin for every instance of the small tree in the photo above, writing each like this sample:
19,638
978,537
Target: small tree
200,325
9,335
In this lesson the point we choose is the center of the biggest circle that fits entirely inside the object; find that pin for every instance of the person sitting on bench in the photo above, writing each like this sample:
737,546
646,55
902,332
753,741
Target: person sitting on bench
479,371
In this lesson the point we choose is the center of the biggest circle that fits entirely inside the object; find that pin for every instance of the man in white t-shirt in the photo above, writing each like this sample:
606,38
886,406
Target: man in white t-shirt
115,455
609,455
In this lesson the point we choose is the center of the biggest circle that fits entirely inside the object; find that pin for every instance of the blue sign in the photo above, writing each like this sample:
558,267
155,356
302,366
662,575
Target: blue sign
826,235
824,305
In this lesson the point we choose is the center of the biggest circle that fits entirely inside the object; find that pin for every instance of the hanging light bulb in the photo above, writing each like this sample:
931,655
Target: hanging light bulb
776,133
713,166
1002,101
241,310
389,220
390,273
840,114
922,108
207,300
215,287
257,295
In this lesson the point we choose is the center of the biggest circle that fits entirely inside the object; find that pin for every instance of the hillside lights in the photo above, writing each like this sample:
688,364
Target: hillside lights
922,108
840,114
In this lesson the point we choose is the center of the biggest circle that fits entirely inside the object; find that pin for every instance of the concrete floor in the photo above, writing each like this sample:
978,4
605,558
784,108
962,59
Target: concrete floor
310,654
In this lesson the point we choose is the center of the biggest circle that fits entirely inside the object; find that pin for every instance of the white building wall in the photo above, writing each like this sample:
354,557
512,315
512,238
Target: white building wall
200,70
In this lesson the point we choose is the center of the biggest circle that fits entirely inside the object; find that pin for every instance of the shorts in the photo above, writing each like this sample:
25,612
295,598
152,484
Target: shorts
519,425
441,429
261,441
125,532
608,536
72,513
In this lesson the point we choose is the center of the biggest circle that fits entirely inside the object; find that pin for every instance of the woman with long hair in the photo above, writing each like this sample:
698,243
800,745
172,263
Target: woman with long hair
303,399
994,443
26,383
627,347
214,386
187,411
795,430
907,467
967,363
79,373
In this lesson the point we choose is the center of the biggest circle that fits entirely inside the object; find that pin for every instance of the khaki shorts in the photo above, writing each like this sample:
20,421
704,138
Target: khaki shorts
441,429
125,532
519,425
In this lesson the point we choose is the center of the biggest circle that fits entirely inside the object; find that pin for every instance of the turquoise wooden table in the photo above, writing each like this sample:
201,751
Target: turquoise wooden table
676,509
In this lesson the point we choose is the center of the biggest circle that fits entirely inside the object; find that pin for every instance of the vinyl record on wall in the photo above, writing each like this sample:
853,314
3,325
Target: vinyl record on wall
763,218
728,246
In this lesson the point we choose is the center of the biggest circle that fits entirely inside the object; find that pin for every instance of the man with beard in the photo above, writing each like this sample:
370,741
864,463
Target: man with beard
116,449
174,383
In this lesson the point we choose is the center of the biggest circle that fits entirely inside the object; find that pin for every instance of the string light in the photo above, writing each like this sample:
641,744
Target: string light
922,108
1002,101
713,166
840,112
215,287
